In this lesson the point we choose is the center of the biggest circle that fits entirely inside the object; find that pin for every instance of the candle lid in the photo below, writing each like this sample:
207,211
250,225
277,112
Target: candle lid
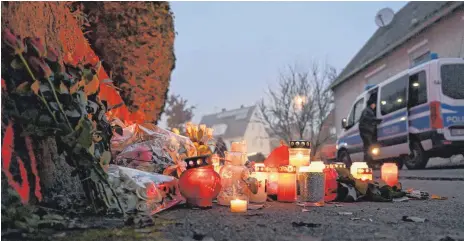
300,144
271,169
197,161
364,170
287,169
259,167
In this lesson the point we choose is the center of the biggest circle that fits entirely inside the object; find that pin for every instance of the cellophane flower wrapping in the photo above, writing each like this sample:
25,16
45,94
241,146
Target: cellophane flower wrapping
149,148
144,192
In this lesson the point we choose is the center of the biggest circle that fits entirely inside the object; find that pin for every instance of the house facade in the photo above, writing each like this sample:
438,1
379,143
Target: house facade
418,29
237,125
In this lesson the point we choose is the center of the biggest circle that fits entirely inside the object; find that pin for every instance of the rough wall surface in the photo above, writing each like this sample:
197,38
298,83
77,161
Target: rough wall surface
136,42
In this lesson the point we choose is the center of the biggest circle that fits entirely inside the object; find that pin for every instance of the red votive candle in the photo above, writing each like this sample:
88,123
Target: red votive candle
286,191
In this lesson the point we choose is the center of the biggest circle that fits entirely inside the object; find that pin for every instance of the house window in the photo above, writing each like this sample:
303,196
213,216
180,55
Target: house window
219,129
417,89
420,59
393,95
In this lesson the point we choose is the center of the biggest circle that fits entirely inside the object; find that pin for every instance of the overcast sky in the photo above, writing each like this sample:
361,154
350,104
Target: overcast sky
228,53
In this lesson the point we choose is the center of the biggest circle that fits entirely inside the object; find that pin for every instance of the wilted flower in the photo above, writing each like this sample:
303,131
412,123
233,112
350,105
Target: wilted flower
40,66
52,54
37,45
13,41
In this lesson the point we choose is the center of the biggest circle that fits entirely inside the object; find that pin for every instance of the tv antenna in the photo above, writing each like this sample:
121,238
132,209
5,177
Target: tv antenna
384,17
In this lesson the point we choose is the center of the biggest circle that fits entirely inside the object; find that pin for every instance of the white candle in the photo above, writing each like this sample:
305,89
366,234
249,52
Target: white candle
355,166
238,206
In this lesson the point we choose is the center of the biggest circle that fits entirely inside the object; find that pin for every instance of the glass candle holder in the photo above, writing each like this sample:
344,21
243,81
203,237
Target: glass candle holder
331,183
389,174
299,153
238,146
272,181
286,191
233,175
365,174
199,184
312,184
215,161
355,166
261,175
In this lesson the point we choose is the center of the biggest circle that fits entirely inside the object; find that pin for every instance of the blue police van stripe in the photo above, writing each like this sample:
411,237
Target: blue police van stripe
393,129
397,115
420,123
419,110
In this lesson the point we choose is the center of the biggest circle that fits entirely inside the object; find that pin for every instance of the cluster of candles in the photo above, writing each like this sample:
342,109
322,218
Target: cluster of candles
311,183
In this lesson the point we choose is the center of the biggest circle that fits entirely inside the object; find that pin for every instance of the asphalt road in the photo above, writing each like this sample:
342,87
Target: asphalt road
369,221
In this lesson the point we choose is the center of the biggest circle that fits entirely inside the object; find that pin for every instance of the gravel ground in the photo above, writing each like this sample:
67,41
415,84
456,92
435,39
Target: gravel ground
284,221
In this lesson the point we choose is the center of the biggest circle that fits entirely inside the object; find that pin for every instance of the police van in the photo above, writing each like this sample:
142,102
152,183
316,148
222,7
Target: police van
422,112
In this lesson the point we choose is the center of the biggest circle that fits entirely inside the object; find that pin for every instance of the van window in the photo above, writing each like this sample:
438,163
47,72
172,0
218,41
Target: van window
417,89
452,77
356,112
393,95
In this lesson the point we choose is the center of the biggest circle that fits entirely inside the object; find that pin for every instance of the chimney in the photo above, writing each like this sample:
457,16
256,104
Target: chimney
223,109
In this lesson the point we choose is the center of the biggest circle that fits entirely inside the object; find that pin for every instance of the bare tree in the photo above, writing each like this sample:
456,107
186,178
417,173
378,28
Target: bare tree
298,107
178,112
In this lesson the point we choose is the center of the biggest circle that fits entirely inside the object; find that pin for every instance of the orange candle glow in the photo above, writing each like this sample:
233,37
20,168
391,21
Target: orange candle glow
299,153
389,173
365,174
238,206
286,191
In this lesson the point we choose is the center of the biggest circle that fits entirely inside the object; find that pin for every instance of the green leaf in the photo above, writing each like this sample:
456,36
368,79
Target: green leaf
45,120
24,88
85,136
30,115
17,64
72,113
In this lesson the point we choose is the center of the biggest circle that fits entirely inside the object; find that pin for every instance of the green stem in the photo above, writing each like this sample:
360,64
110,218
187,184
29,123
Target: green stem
58,102
41,97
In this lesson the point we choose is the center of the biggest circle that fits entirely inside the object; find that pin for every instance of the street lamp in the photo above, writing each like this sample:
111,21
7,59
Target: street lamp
299,101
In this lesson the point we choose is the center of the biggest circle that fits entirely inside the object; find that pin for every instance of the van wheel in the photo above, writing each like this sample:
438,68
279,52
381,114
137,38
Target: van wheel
344,157
417,159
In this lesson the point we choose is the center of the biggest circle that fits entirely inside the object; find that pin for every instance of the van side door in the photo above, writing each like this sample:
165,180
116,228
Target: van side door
352,138
392,133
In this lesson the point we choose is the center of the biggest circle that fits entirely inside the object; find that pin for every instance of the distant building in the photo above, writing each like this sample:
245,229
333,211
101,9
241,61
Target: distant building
328,135
328,130
418,29
240,124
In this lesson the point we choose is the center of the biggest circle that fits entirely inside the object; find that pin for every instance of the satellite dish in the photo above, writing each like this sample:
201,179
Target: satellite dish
384,17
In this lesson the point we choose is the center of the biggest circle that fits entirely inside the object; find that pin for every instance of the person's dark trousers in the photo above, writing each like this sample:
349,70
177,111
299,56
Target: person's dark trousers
367,139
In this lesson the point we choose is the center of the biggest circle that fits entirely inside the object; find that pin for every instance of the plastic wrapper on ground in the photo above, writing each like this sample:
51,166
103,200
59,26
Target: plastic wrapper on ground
140,191
152,149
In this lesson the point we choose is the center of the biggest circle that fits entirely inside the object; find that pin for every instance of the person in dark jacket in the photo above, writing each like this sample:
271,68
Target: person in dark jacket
368,127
